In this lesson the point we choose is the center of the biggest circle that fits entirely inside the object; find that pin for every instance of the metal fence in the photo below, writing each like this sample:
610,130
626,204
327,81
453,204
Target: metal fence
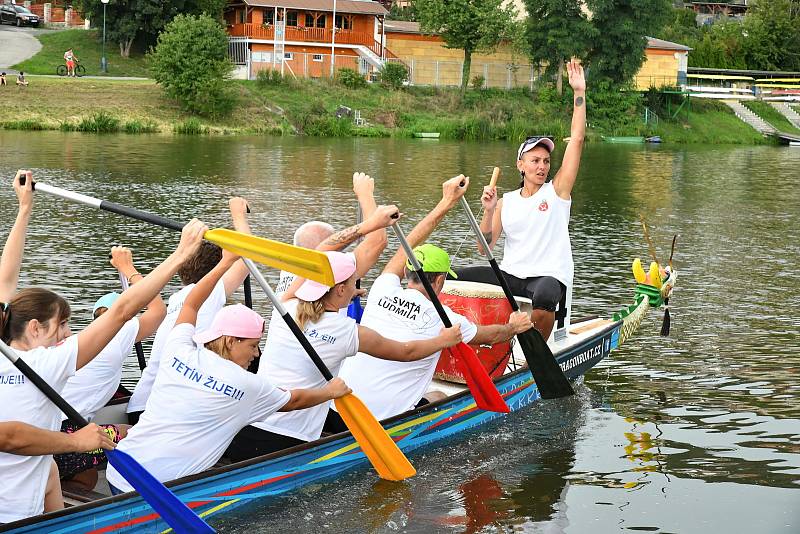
420,72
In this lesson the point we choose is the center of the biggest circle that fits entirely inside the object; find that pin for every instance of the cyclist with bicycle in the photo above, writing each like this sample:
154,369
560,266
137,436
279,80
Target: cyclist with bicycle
70,59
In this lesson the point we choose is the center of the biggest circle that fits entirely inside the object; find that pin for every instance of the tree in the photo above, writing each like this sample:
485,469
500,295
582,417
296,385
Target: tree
556,31
127,20
469,25
190,62
621,30
772,32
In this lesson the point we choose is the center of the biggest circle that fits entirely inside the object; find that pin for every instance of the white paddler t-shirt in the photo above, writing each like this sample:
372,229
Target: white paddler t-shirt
286,364
387,387
198,403
205,316
95,383
23,478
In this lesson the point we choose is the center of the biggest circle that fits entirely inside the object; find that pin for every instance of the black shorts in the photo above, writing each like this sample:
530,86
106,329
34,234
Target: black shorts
545,292
251,442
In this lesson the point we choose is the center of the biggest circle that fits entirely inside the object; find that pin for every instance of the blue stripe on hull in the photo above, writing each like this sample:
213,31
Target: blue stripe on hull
231,487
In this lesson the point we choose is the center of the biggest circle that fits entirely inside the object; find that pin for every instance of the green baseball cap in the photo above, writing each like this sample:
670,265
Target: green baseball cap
433,260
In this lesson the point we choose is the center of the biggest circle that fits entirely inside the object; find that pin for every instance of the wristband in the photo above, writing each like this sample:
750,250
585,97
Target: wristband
131,277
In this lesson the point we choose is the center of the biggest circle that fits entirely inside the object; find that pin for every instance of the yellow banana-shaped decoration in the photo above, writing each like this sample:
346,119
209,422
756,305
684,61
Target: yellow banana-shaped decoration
638,272
654,279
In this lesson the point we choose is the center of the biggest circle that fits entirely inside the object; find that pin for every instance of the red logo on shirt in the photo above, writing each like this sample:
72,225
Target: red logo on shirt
543,206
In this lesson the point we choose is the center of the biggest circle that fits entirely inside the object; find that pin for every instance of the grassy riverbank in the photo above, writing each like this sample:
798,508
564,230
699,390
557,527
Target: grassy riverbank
308,108
772,116
88,49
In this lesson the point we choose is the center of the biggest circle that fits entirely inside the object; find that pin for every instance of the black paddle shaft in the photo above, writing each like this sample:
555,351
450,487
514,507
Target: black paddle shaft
45,388
113,207
422,278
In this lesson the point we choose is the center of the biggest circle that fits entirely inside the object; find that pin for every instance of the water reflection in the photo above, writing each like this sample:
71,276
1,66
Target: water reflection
694,432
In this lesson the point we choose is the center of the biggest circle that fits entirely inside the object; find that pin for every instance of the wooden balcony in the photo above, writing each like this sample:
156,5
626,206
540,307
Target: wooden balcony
302,34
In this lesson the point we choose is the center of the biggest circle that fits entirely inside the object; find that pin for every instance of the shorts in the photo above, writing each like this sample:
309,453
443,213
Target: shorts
70,64
545,292
72,463
251,442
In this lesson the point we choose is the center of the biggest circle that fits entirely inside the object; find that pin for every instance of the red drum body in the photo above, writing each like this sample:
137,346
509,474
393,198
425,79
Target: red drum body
483,304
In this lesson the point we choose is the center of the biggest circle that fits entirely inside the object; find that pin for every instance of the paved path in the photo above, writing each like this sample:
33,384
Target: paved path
17,44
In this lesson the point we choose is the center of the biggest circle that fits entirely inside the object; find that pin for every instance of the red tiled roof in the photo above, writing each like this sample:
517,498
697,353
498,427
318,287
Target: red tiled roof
366,7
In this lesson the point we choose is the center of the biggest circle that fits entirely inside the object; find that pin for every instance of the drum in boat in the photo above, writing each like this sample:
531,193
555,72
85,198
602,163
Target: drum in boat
483,304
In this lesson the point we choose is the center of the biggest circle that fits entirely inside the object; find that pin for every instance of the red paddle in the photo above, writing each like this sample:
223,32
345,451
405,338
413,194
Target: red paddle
478,380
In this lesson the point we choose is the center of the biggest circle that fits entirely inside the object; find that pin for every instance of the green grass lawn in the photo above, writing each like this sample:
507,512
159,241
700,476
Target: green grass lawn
709,122
88,50
772,116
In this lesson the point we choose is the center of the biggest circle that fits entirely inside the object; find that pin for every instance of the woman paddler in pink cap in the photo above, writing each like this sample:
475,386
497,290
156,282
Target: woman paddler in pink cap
320,312
203,394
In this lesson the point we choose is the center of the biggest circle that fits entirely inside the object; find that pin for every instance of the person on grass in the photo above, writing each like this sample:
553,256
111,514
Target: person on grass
537,257
203,394
196,268
407,314
35,323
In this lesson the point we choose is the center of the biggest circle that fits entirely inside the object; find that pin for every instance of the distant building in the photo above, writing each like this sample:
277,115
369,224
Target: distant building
710,12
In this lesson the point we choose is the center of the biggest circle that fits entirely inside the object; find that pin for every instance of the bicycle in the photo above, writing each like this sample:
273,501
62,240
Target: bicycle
80,70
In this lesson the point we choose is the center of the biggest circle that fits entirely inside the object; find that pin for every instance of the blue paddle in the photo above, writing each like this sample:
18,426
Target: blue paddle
177,515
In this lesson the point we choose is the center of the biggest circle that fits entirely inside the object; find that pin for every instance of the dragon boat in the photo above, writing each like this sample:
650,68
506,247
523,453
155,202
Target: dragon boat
578,346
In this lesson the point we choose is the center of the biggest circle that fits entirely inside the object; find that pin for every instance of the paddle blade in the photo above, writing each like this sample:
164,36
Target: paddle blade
354,309
384,454
304,262
177,515
546,372
666,323
478,380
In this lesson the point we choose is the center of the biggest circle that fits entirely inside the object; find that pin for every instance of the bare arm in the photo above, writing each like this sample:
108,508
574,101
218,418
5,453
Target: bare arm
11,260
566,175
518,322
26,440
306,398
122,260
238,272
374,344
452,190
491,222
200,292
94,337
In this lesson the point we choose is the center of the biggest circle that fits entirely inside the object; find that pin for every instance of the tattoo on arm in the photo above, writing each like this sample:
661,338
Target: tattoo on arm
344,237
488,237
579,102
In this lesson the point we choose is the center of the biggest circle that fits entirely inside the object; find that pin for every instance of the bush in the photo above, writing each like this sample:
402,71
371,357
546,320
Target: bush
270,78
477,82
350,79
190,62
100,122
137,126
190,126
393,75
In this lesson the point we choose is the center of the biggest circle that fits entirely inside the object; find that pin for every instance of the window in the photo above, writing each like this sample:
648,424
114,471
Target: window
317,58
315,19
344,22
241,16
262,57
291,18
288,56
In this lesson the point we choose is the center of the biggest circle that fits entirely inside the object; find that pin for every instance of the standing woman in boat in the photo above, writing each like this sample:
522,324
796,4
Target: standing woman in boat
203,394
537,257
35,324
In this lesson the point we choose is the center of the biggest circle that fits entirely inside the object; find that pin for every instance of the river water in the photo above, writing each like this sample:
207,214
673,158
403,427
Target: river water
696,432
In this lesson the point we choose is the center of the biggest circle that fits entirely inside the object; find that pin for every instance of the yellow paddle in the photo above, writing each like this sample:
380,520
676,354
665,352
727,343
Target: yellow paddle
381,450
304,262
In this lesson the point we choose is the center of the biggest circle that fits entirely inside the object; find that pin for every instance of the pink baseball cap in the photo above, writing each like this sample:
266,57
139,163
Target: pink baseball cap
237,321
343,266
